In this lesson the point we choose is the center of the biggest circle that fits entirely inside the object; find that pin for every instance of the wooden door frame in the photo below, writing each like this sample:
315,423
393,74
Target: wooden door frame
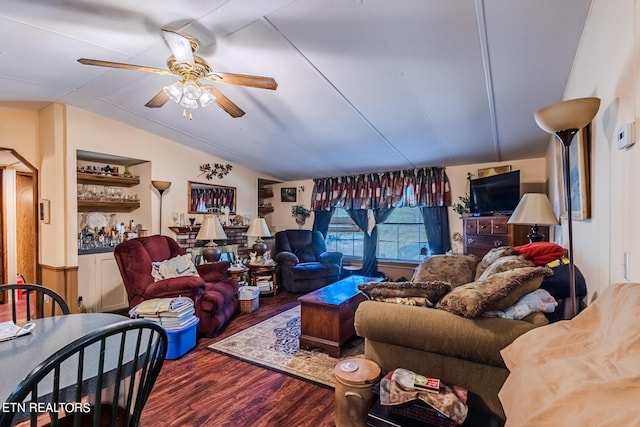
3,205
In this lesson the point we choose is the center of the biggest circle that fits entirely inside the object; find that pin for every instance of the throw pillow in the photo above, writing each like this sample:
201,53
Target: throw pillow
455,269
497,292
491,256
505,263
433,291
182,265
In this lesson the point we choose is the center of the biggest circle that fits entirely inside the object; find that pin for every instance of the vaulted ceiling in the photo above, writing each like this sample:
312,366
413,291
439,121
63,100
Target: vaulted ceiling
363,85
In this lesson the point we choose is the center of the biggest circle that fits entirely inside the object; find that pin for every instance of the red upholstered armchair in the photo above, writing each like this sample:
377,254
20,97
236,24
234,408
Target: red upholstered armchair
215,296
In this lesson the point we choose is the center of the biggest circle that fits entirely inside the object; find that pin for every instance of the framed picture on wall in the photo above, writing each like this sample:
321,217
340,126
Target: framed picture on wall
579,173
497,170
288,194
205,198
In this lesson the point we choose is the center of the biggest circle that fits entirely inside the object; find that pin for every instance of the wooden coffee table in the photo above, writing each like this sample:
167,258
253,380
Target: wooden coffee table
326,314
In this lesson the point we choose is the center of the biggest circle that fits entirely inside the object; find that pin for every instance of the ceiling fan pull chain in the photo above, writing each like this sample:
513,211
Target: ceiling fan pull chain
184,114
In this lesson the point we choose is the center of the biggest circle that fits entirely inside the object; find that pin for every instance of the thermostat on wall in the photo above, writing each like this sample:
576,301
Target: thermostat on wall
625,136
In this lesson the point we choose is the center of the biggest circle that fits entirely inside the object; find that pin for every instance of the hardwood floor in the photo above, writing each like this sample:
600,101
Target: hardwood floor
204,388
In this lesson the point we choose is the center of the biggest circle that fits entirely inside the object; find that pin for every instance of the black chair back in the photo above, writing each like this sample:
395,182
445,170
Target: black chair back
101,379
33,293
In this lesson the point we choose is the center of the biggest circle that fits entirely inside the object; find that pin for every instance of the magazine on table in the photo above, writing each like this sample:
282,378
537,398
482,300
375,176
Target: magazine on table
9,330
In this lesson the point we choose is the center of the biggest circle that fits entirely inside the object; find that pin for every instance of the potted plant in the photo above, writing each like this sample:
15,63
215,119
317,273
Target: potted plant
300,213
463,207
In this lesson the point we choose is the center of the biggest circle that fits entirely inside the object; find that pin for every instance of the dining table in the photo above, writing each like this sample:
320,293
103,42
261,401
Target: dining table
20,355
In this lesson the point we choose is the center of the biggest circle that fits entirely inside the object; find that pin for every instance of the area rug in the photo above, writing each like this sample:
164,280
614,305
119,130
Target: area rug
273,344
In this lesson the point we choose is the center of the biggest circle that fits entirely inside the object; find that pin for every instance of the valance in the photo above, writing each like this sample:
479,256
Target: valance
428,186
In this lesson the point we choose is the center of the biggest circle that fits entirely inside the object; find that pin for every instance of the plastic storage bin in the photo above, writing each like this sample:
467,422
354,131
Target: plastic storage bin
249,297
182,340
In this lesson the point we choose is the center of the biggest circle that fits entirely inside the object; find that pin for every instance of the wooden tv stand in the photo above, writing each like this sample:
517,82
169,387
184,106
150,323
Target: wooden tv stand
482,233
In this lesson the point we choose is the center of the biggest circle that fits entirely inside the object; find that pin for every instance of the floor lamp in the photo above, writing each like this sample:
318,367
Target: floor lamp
564,119
161,186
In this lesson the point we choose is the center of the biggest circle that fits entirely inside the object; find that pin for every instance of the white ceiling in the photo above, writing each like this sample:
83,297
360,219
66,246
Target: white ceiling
364,85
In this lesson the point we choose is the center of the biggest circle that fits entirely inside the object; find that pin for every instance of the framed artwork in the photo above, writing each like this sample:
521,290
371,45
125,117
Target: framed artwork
205,198
497,170
288,194
579,174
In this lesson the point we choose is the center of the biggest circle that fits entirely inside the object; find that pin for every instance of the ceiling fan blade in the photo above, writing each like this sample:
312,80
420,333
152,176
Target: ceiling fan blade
225,103
158,101
124,66
243,80
180,46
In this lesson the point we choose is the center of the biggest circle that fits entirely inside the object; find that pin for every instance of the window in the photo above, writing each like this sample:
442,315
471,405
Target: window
401,237
344,235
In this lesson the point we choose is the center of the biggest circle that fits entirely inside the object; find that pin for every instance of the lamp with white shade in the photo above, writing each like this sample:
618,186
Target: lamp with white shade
259,229
564,119
534,209
211,230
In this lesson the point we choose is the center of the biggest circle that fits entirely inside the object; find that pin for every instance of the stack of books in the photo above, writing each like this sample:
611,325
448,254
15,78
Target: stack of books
171,313
265,283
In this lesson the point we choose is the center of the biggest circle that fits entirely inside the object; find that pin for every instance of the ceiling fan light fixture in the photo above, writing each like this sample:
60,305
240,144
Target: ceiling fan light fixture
174,92
189,103
206,98
191,90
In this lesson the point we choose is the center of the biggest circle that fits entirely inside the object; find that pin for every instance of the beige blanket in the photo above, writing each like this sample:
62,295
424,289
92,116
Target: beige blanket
580,372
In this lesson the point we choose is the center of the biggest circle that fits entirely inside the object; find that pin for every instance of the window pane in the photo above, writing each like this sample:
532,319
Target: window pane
401,237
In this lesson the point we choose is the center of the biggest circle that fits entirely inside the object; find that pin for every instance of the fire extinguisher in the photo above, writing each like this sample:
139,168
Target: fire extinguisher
20,280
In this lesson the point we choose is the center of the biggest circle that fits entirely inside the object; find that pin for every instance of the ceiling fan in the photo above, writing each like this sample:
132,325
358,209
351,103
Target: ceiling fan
191,91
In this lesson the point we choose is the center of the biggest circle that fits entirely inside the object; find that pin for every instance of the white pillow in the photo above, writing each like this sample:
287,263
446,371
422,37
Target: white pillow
182,265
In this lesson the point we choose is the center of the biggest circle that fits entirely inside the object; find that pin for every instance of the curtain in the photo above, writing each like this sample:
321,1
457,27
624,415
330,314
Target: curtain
436,225
321,221
427,187
412,187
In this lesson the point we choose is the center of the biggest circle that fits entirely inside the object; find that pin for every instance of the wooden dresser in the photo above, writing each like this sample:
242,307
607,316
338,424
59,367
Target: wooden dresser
482,233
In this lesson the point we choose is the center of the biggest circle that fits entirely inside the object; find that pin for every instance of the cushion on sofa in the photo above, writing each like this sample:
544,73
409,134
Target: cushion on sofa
178,266
455,269
491,256
497,292
379,291
506,263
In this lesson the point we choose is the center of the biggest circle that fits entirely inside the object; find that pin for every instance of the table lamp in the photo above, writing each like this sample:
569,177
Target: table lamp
259,229
564,119
534,208
211,230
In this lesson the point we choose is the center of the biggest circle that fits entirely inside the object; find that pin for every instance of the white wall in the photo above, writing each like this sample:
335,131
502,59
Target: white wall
606,66
169,161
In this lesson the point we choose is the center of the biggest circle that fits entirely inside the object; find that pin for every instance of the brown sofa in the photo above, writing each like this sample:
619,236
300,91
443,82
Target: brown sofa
433,341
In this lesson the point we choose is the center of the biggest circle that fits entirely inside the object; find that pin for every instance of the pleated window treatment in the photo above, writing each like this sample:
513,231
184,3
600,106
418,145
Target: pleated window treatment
428,187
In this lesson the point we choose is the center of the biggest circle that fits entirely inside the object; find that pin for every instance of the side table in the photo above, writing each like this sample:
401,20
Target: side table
260,272
239,274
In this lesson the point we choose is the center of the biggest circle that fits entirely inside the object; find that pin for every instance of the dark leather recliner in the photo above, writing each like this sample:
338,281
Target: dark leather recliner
303,263
215,296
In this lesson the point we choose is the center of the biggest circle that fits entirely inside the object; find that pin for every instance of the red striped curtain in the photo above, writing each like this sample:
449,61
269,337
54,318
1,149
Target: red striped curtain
412,187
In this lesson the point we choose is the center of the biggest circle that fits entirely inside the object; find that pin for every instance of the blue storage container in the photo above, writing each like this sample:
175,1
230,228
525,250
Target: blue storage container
183,339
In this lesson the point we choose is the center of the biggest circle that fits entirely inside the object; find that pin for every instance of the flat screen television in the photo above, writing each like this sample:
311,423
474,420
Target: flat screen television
495,195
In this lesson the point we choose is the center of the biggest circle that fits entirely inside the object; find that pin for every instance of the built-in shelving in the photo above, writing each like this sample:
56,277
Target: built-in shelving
116,180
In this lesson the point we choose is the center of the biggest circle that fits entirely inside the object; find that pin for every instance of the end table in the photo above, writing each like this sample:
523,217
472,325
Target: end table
261,271
239,274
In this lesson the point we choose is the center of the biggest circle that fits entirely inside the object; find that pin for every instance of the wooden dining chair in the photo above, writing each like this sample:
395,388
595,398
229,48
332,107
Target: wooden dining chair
23,296
101,379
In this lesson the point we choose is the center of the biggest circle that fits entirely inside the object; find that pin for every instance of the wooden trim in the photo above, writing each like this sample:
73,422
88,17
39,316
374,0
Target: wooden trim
63,280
